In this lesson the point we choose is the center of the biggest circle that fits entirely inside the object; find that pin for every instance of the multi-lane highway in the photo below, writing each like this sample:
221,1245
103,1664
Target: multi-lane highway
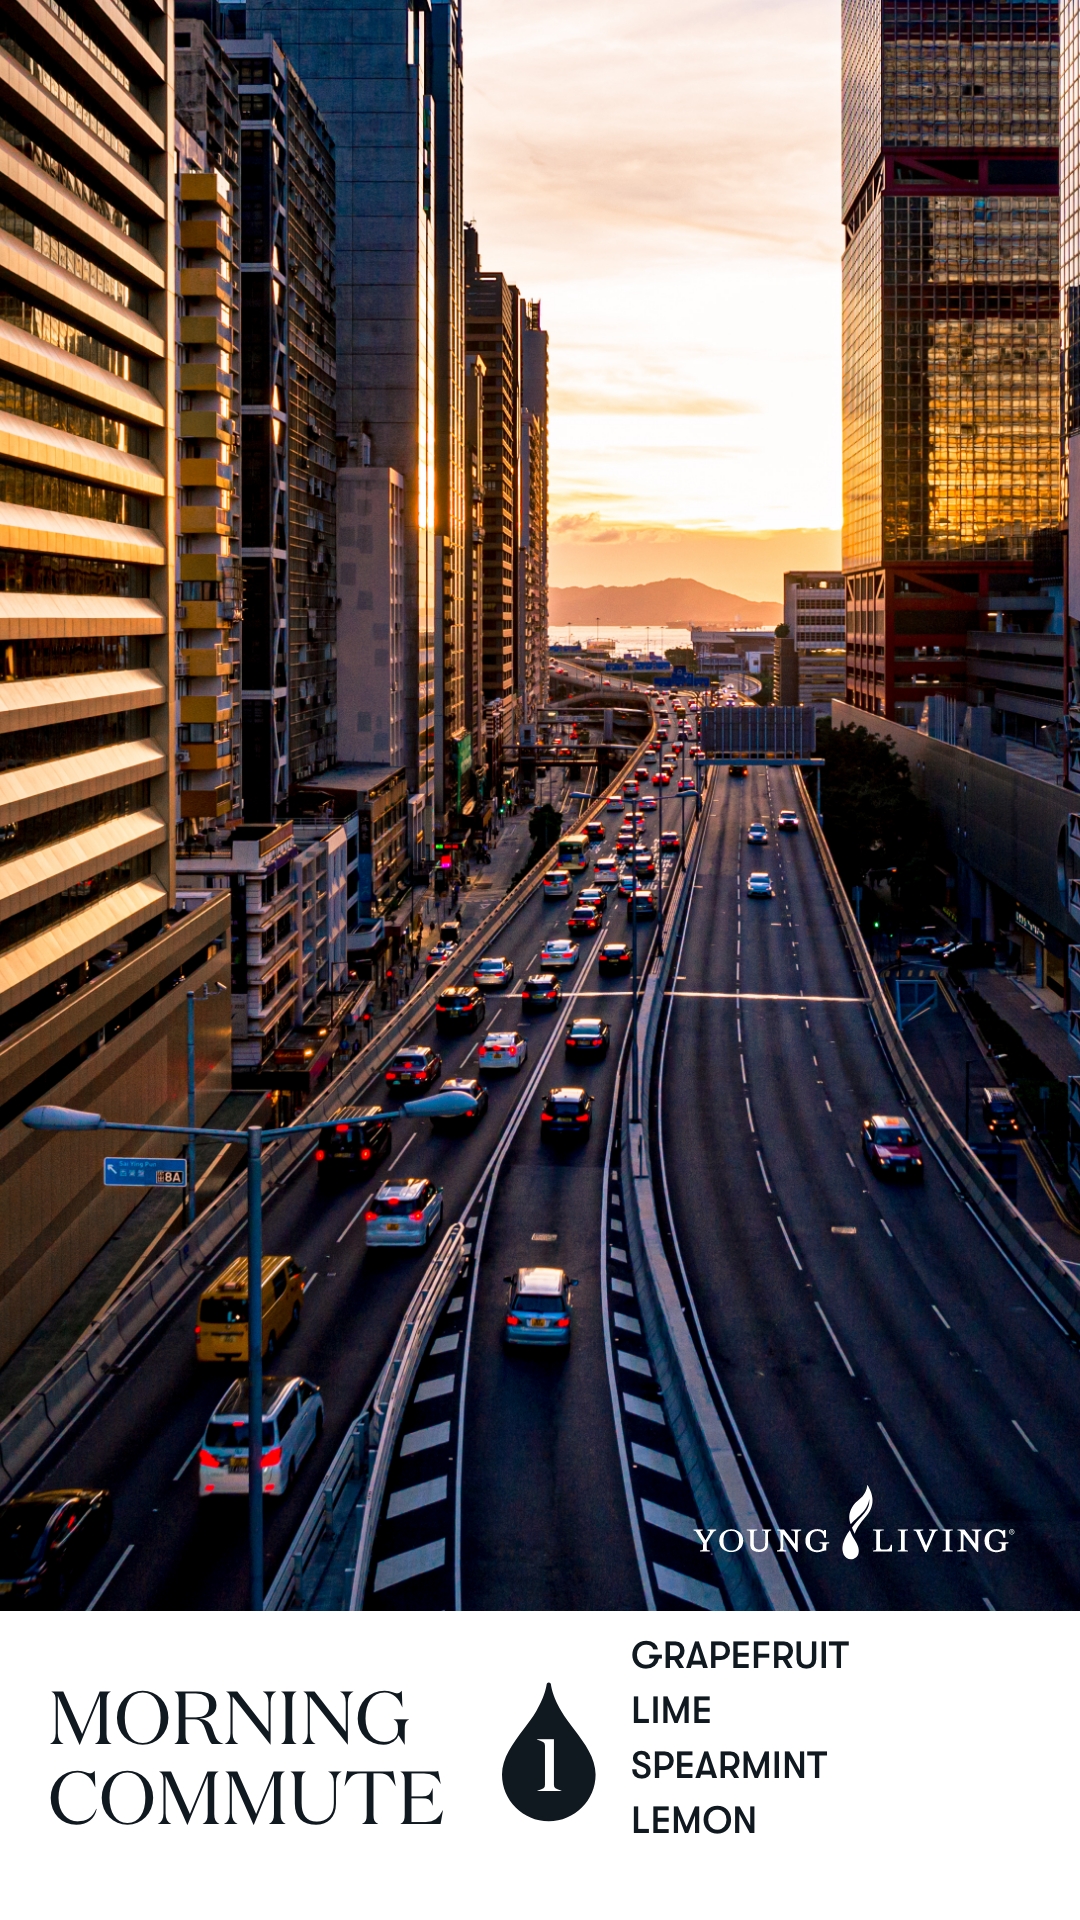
856,1335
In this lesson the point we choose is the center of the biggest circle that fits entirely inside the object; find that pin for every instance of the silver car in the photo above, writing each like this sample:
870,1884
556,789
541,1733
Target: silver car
404,1213
292,1423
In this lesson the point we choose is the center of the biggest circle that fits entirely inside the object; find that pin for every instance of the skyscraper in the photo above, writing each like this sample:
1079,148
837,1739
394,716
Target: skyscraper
492,331
375,73
1070,352
532,613
950,332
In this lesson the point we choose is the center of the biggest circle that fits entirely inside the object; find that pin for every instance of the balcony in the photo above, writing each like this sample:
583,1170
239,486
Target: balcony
205,709
1074,1027
1074,967
208,756
205,190
205,283
208,236
205,520
205,803
1074,1097
199,377
201,423
1074,834
204,330
1074,899
205,663
207,613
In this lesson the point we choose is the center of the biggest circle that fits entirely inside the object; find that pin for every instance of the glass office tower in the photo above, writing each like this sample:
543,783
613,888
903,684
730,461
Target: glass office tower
950,332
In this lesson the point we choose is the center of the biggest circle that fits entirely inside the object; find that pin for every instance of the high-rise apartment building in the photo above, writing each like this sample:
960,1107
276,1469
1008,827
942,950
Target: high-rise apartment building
533,528
492,330
814,617
371,617
289,428
453,750
91,962
375,74
474,557
950,332
1070,355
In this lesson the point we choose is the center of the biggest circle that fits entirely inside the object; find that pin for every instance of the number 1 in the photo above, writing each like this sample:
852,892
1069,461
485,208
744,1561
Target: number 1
549,1767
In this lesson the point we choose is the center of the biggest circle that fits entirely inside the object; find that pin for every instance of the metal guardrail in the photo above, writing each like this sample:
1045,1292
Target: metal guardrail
348,1471
1020,1243
752,1581
395,1386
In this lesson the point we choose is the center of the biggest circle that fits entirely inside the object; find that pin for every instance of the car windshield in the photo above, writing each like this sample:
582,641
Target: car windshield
1002,1100
21,1529
538,1303
895,1137
231,1436
231,1312
396,1204
457,1000
409,1060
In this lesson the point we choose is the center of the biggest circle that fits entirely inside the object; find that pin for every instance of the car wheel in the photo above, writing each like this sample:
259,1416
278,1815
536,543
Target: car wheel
271,1344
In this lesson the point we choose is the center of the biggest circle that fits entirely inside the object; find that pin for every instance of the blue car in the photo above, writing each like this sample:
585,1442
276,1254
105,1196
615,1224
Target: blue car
538,1311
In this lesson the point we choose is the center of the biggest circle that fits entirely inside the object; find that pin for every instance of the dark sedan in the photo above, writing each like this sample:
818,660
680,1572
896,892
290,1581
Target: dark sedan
414,1067
615,957
47,1540
587,1038
566,1115
461,1122
459,1010
539,993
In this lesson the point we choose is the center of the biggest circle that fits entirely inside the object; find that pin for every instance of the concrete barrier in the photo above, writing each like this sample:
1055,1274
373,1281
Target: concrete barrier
1015,1235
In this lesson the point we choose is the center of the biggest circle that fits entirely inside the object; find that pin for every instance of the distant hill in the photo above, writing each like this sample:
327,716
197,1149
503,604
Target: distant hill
676,603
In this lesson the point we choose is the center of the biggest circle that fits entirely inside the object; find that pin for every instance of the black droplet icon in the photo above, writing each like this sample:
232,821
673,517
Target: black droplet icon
548,1772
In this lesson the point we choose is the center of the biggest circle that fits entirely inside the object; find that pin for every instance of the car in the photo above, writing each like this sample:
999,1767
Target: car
892,1147
787,820
757,833
502,1052
221,1324
648,802
559,953
641,904
459,1010
736,772
588,1038
662,779
46,1540
292,1423
614,957
404,1213
592,897
538,1308
587,919
566,1114
606,871
595,829
436,957
414,1067
649,757
670,842
614,805
686,785
540,991
627,881
459,1122
643,863
450,931
759,887
495,970
557,884
353,1142
1000,1116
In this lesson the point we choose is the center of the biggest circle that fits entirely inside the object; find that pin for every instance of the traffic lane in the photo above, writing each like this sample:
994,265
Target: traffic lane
806,1437
150,1423
954,1423
544,1521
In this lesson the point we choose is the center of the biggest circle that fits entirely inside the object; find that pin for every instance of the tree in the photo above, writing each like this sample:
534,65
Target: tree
874,821
681,657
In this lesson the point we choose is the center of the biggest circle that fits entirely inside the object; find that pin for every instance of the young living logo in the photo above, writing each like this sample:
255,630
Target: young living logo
816,1539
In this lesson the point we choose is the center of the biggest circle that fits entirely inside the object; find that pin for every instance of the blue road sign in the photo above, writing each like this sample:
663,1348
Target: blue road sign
144,1173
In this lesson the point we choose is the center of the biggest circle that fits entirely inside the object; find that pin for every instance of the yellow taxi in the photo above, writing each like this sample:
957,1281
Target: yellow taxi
221,1329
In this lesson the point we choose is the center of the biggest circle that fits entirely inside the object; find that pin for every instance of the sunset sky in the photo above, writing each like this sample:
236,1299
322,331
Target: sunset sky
666,181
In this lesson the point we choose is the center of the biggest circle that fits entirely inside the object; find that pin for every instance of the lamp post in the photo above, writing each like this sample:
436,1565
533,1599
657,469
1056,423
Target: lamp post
448,1105
635,1090
193,994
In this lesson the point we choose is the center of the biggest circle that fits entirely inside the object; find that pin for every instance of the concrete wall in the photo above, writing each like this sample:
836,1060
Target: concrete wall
55,1213
1007,826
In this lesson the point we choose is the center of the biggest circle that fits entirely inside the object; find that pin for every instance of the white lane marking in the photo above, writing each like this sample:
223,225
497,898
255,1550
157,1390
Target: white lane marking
180,1472
742,1064
470,1053
678,1523
843,1229
1024,1437
408,1566
695,1592
446,1343
764,1175
456,1303
902,1463
626,1322
110,1577
434,1389
750,1116
616,1253
834,1339
545,1236
473,1220
621,1286
656,1462
634,1364
803,999
409,1499
988,1604
940,1316
424,1437
790,1248
828,1103
404,1149
849,1159
309,1280
887,1227
359,1211
644,1409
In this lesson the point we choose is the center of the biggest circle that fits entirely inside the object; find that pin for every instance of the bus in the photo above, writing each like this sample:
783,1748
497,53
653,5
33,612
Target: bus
574,852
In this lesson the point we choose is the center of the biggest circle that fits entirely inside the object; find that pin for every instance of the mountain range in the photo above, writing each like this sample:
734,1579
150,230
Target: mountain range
676,603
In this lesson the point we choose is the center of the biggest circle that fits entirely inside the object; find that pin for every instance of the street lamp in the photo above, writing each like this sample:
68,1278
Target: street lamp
635,1113
202,993
447,1106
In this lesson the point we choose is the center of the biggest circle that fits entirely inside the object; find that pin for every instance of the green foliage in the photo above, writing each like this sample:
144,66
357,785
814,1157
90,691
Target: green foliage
764,698
545,826
681,657
874,822
783,631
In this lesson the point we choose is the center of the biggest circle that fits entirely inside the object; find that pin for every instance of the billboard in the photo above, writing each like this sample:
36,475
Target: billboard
758,733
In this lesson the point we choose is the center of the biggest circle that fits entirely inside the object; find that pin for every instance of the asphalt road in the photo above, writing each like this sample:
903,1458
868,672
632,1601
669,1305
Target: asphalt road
861,1336
141,1440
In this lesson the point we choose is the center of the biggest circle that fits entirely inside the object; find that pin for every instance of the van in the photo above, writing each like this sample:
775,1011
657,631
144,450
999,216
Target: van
450,930
292,1424
221,1329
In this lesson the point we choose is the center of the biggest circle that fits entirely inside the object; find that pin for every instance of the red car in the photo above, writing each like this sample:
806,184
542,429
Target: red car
661,779
584,920
414,1067
892,1147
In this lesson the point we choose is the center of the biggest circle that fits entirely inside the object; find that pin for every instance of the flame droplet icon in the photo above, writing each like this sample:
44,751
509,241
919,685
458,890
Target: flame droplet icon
548,1773
856,1517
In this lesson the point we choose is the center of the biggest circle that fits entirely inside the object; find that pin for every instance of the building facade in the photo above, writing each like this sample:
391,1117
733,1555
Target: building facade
532,611
372,72
91,1005
451,726
814,617
474,558
492,330
950,332
371,617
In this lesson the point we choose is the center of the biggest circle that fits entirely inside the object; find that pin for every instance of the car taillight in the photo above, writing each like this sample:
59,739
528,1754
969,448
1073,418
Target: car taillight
547,1116
482,1053
343,1129
319,1154
273,1458
582,1119
365,1153
417,1216
598,1043
391,1076
206,1459
371,1216
512,1320
564,1322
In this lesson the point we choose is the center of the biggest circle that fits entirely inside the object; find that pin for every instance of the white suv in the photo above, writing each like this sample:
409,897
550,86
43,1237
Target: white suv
292,1422
404,1213
502,1052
